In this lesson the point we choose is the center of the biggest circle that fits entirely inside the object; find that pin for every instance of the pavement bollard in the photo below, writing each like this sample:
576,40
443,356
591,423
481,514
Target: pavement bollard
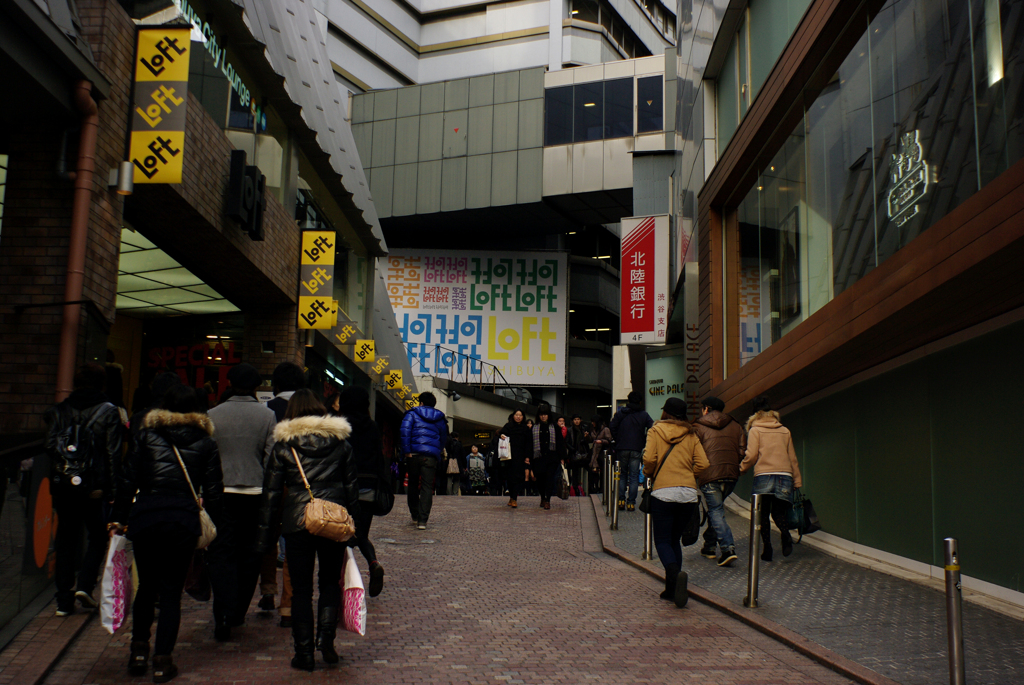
648,554
954,617
610,500
616,476
755,552
604,481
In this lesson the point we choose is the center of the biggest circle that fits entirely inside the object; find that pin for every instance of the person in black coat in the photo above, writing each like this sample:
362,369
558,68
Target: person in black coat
545,461
374,473
156,502
521,445
319,441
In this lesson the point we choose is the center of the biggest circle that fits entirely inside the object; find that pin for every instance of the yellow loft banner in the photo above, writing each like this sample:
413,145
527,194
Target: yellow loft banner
317,307
393,380
364,350
157,142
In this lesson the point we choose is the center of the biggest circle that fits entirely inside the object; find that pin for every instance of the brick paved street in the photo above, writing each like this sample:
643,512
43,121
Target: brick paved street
893,626
486,594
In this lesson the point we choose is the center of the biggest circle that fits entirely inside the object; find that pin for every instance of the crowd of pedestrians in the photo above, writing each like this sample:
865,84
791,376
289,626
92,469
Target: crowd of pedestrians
251,469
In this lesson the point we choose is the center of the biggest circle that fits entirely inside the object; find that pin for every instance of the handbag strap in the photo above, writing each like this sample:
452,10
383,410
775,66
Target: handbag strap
298,462
662,463
185,471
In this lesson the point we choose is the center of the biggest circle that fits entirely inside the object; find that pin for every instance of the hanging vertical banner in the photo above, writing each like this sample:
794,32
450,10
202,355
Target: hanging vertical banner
364,351
317,308
393,380
380,366
643,274
157,142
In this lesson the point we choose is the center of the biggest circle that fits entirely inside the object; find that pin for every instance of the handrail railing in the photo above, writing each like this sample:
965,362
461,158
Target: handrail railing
461,368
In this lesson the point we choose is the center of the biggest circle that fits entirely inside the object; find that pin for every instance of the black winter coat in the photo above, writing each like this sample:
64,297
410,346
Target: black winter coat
520,441
368,451
82,407
153,478
329,464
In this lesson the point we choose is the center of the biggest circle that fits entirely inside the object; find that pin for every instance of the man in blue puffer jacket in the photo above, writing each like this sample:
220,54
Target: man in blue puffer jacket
424,434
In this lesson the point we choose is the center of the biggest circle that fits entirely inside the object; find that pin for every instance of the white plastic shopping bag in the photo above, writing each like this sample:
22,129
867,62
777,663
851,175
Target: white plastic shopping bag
353,597
116,587
504,449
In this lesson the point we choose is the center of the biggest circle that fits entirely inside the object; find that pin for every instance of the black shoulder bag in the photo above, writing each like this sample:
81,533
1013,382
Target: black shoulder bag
645,499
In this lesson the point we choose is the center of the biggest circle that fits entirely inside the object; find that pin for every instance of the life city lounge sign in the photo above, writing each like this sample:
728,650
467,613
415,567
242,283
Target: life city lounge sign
909,174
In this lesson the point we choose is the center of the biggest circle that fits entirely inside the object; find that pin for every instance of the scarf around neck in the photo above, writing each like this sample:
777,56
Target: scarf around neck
536,438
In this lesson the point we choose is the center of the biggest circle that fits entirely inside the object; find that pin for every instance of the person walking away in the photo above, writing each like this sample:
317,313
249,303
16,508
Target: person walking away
286,379
674,458
477,471
455,466
244,430
520,448
309,437
545,462
173,453
602,441
629,429
374,472
424,433
771,454
725,442
83,439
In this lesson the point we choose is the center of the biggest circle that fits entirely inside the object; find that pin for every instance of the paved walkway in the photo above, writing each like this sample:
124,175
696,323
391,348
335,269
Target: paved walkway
486,594
893,626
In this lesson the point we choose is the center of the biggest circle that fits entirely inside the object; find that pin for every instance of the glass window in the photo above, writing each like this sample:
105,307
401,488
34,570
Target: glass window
587,112
728,100
607,16
617,31
585,10
650,110
558,115
618,108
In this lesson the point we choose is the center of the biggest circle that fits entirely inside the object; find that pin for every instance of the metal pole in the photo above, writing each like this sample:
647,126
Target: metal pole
615,488
755,552
954,617
604,478
608,484
648,554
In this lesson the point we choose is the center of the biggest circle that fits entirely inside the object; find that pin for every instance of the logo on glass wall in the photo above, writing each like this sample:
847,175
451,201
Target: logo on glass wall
909,179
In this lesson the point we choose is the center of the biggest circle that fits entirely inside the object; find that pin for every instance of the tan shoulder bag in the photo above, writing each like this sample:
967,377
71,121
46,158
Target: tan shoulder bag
209,531
323,517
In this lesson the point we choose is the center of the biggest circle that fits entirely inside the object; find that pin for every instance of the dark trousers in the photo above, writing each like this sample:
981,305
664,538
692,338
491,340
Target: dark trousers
515,473
163,553
302,550
78,515
668,519
546,469
232,558
363,519
422,471
778,510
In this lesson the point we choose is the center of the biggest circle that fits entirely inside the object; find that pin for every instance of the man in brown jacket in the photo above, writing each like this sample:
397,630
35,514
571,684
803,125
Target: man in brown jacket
725,442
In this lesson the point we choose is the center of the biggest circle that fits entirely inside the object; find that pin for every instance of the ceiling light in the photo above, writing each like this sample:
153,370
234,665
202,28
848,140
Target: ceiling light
604,256
212,337
589,104
575,11
589,330
330,374
603,329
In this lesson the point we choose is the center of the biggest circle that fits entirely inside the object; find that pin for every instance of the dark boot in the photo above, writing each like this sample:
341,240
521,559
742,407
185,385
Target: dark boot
376,578
221,629
681,593
787,543
671,576
327,625
163,669
302,634
138,658
766,542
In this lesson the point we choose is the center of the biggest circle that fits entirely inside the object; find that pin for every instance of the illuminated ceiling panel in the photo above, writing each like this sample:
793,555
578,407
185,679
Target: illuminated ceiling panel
151,283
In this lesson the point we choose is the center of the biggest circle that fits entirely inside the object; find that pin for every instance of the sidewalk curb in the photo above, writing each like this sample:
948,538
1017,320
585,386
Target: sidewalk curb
791,639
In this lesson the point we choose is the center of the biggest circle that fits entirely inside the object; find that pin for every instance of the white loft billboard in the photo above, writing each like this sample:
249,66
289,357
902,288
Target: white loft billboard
643,278
509,309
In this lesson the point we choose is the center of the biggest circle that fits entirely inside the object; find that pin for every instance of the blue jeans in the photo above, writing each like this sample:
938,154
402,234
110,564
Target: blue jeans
629,462
718,531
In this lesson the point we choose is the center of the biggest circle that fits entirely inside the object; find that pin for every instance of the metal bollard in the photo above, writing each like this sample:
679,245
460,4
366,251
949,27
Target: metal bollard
604,479
755,552
610,503
648,553
617,474
954,617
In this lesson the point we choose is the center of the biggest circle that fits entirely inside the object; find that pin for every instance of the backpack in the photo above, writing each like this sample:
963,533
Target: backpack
77,452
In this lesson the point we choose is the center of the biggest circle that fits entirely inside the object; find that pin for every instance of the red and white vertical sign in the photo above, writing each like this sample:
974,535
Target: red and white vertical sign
643,277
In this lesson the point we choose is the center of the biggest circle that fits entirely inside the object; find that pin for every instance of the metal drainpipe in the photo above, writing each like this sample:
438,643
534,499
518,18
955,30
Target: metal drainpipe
74,282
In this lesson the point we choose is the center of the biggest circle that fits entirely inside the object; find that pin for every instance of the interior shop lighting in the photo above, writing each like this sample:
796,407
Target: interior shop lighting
589,104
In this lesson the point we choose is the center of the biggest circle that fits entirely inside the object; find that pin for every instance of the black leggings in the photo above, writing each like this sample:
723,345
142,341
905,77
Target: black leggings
363,520
163,553
778,510
303,550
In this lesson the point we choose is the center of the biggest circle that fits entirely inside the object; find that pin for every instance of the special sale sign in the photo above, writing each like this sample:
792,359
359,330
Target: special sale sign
456,309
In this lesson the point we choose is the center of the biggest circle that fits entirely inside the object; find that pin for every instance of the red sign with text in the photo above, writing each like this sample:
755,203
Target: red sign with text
643,278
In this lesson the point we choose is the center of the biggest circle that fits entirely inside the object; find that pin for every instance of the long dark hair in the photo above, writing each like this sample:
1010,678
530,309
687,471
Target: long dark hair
304,403
181,399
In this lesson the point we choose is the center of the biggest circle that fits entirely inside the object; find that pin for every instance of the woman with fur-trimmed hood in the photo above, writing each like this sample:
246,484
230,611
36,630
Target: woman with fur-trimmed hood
155,501
307,433
673,456
776,472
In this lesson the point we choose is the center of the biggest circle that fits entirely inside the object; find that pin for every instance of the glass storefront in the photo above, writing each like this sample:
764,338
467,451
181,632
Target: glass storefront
922,113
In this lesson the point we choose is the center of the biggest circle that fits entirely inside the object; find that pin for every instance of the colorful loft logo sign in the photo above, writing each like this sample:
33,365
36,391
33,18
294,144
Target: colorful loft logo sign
909,179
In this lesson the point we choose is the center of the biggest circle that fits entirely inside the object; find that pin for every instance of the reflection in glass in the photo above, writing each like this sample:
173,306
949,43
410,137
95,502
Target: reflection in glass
587,111
618,108
650,111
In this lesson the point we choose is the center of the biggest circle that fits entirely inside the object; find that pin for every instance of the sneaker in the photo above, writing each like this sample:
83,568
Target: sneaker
681,594
266,603
86,600
630,507
622,505
138,659
728,556
708,552
164,669
64,611
422,525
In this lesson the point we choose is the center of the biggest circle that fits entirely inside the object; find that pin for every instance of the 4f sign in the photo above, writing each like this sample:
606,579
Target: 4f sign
644,280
